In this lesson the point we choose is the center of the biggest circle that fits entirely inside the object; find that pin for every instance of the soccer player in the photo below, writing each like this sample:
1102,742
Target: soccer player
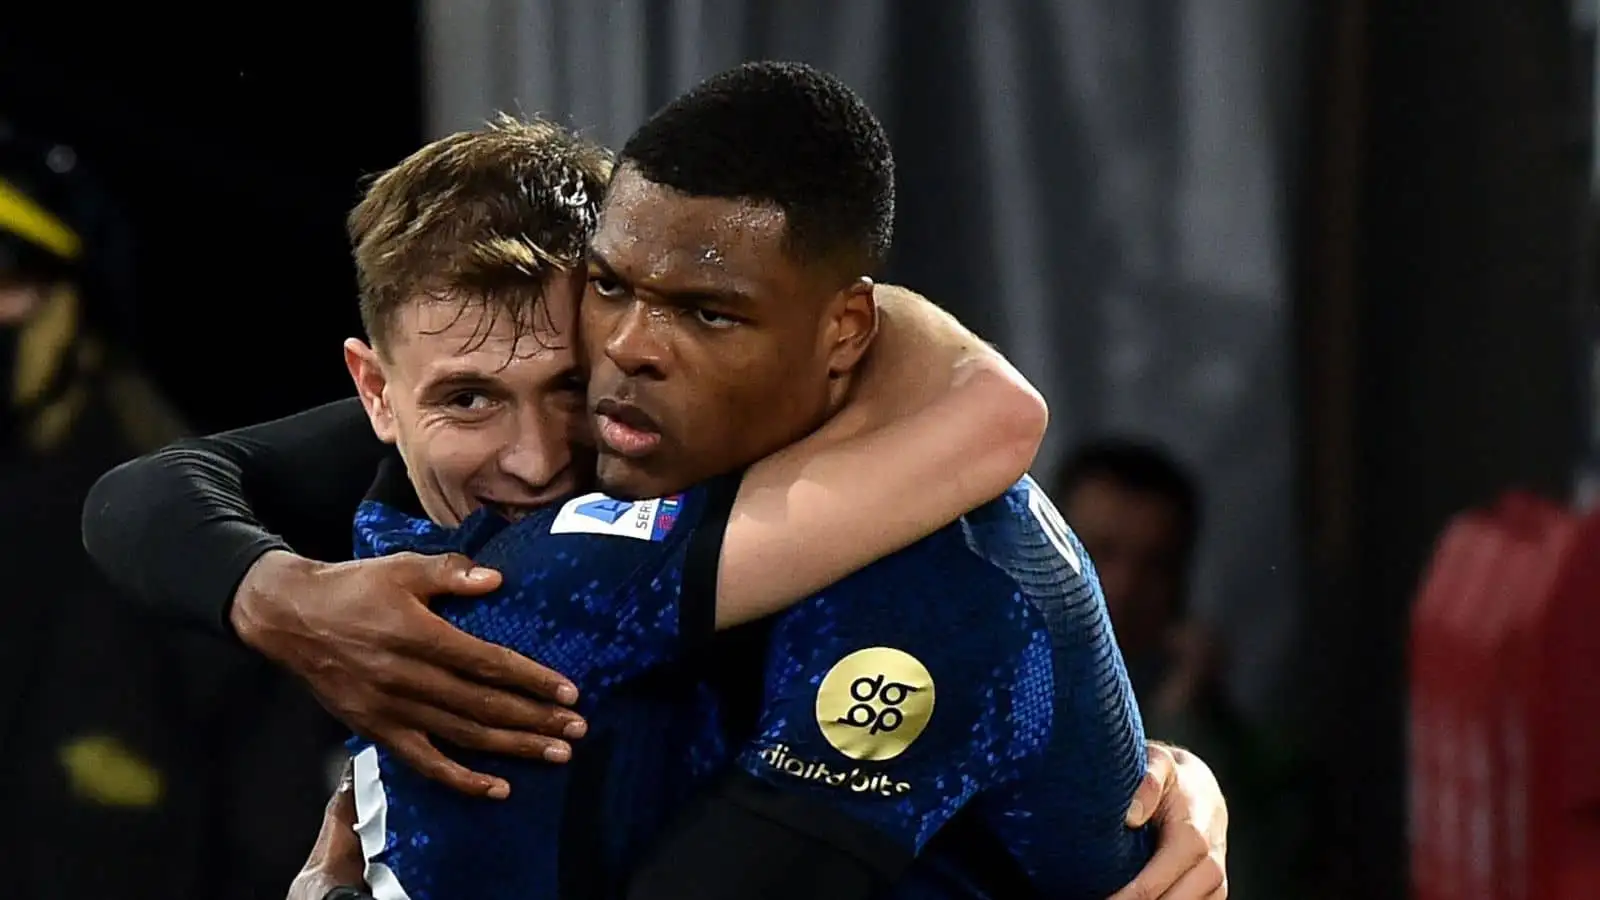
202,539
986,745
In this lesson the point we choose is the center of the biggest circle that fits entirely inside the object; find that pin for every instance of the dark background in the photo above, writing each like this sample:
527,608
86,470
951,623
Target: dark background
236,137
1440,304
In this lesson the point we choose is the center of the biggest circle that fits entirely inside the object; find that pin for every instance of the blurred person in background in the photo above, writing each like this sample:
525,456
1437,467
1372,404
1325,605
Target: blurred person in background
89,729
1138,511
101,792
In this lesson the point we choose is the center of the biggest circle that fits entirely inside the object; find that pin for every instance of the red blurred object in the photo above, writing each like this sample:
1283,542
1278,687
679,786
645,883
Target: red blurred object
1455,582
1505,708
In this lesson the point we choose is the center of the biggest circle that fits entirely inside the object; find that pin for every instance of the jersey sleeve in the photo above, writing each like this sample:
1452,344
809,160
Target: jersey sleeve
891,701
902,692
1072,842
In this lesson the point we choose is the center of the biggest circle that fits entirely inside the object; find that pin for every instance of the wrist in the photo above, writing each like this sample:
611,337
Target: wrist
261,603
317,884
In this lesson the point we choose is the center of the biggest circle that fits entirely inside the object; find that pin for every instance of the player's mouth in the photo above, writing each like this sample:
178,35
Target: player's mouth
625,429
510,511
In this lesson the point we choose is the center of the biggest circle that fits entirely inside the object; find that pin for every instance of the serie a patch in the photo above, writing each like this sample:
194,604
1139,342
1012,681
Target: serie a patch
642,520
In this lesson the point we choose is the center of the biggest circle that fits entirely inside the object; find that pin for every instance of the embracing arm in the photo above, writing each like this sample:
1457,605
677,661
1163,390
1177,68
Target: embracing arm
179,528
939,423
194,531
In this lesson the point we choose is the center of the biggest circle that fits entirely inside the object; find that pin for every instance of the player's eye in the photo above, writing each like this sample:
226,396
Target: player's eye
469,401
605,285
713,319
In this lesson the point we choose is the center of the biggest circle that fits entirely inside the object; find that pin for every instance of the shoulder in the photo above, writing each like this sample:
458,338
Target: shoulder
382,529
928,591
595,514
594,524
1024,523
1015,550
1022,535
648,550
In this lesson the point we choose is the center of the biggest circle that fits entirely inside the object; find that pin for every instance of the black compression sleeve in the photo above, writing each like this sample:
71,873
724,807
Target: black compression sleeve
177,530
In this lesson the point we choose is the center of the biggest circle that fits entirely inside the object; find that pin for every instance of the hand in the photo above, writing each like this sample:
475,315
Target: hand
336,862
1182,800
362,636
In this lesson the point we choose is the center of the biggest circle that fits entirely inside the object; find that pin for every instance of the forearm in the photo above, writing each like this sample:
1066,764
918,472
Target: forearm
178,530
940,423
920,353
173,531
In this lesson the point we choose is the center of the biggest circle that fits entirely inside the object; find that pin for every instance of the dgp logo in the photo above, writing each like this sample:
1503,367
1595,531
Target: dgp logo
874,703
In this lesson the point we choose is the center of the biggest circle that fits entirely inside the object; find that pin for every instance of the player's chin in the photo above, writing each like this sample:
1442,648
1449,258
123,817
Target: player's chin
628,478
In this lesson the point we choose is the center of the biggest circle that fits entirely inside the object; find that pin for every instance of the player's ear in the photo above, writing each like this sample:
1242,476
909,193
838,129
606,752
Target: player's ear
852,324
372,383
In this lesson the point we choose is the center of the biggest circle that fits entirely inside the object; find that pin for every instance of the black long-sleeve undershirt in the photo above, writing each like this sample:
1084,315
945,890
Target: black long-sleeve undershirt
178,529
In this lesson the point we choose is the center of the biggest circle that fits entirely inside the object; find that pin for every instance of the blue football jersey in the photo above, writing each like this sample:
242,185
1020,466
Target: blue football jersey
963,699
968,682
595,589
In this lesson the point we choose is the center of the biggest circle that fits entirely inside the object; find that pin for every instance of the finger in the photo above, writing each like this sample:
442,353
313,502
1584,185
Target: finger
1202,882
447,574
482,704
494,664
1158,777
1180,847
415,750
473,736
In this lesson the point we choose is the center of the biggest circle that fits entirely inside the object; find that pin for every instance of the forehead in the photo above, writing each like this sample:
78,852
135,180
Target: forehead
436,338
652,232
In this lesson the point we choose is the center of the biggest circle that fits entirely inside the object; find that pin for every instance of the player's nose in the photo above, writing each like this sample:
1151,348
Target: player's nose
636,343
541,463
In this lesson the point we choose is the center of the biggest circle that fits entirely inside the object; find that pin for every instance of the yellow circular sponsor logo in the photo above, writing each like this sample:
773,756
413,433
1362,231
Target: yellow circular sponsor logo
874,703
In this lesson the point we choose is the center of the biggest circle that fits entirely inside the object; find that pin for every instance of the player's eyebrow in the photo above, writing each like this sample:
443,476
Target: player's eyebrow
698,296
449,378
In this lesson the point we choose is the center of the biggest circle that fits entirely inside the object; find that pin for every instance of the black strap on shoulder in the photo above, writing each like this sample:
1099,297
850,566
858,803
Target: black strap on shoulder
747,839
697,602
731,661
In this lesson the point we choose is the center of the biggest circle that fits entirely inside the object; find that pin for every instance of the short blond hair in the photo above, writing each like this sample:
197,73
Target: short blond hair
483,217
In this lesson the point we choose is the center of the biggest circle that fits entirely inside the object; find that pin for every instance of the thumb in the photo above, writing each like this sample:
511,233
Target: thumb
1153,787
452,573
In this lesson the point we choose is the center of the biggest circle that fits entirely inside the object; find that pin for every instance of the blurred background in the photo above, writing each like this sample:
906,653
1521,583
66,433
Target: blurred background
1301,279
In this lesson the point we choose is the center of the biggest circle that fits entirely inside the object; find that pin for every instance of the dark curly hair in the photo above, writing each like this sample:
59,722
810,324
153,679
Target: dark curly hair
788,135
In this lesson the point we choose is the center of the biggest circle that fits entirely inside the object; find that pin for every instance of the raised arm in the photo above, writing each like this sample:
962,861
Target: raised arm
939,423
